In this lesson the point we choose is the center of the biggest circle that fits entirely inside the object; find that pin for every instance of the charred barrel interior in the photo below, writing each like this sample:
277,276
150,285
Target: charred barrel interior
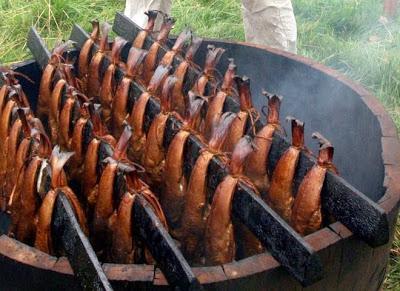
191,163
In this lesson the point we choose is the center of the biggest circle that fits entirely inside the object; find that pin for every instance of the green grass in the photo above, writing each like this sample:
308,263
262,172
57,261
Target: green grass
343,34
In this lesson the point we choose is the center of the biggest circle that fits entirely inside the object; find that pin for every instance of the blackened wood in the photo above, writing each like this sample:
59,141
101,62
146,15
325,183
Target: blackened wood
216,172
354,209
343,201
68,234
5,221
162,247
37,47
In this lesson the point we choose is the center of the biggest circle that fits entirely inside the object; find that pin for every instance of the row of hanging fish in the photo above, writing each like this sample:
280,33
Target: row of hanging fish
93,129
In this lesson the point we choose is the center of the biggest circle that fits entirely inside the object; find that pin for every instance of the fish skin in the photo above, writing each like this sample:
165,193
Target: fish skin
236,131
104,207
214,112
83,60
119,106
280,195
77,147
136,120
193,221
154,155
64,137
257,161
45,90
123,246
306,213
5,119
54,111
11,174
26,227
172,198
220,244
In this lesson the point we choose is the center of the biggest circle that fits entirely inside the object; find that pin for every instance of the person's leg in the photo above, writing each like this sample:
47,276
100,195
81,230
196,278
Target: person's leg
271,23
135,10
390,8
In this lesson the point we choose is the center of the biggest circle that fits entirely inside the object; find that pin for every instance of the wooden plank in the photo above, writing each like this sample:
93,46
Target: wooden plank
162,247
68,234
294,262
37,47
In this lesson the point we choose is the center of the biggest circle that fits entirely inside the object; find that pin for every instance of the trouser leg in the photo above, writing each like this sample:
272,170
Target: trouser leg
271,23
135,10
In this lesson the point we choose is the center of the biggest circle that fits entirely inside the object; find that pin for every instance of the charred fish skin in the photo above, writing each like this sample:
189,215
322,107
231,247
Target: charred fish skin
306,213
280,195
257,162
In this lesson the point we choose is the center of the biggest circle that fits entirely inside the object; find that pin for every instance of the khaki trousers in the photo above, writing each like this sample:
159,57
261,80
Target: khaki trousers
266,22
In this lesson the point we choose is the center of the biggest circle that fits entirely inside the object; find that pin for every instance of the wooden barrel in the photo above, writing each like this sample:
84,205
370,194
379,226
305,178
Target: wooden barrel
367,155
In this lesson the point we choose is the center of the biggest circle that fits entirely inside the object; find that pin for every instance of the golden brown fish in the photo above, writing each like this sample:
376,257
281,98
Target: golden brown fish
280,194
150,62
94,81
154,153
216,104
183,37
208,76
179,99
172,197
257,162
306,213
136,117
109,83
246,113
220,245
142,35
193,221
120,101
86,50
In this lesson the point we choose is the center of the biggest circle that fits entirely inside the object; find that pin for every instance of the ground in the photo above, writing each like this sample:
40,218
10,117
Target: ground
344,34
